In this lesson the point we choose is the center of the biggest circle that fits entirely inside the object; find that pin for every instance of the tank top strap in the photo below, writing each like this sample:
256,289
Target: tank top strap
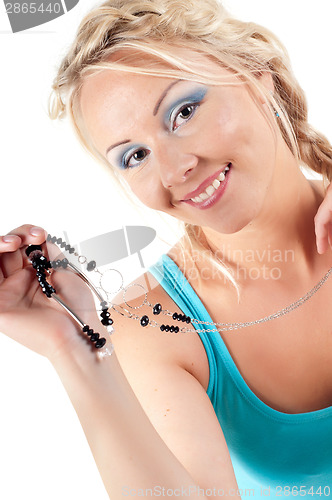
181,292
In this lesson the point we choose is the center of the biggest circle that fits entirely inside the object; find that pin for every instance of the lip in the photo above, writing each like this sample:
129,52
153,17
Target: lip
215,196
201,188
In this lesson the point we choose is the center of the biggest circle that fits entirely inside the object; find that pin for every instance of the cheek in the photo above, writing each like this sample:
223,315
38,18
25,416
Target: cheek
229,135
244,136
147,189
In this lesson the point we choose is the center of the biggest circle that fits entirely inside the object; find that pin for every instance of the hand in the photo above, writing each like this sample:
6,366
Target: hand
26,314
323,223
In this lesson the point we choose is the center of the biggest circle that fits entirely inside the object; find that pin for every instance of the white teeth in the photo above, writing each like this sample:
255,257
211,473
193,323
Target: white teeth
211,189
203,196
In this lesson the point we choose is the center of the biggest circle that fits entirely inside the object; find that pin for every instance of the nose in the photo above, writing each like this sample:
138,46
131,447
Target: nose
175,168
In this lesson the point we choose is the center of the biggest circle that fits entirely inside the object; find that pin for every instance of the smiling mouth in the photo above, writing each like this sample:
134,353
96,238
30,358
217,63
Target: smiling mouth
209,190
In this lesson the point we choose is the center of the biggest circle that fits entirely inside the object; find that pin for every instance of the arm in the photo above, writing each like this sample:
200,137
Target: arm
122,409
175,443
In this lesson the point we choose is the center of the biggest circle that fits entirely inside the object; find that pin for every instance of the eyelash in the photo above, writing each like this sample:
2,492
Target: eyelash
194,107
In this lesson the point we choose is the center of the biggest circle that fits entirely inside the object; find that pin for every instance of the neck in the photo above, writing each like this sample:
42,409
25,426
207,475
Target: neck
281,238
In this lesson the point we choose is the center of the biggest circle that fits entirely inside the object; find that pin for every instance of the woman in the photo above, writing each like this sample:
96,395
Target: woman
200,117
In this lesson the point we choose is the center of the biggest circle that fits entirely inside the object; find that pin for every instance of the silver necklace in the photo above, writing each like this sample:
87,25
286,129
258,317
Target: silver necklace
225,326
158,310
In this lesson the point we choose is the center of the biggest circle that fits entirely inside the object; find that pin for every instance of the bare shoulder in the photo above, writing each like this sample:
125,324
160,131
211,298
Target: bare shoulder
133,342
141,295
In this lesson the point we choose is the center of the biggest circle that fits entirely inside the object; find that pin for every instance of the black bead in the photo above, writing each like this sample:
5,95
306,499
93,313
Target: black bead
106,321
172,328
157,309
91,266
175,316
86,328
166,328
39,262
105,314
64,263
71,250
188,319
180,316
58,241
184,318
162,328
100,342
67,247
53,239
94,337
90,331
63,244
144,320
58,263
176,329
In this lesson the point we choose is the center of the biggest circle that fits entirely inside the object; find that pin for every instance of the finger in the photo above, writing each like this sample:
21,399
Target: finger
322,221
12,253
30,234
330,234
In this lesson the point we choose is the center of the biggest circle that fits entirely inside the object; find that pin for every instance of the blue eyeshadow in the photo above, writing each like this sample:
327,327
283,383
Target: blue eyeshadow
121,158
192,98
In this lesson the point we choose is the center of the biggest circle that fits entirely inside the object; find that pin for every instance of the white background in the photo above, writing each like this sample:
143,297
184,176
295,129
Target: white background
48,180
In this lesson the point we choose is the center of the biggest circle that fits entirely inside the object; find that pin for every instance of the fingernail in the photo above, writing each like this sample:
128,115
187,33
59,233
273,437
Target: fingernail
9,238
37,231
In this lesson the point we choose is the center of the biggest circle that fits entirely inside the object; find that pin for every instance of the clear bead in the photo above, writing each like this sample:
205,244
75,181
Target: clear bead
107,350
35,253
110,329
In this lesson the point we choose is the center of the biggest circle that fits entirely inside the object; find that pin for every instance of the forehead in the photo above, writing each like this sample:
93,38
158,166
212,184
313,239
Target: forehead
107,90
109,96
113,82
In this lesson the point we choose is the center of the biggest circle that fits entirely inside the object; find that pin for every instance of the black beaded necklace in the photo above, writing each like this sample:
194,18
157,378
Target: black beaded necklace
42,265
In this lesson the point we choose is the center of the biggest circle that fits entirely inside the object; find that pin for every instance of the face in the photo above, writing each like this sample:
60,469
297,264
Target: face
204,154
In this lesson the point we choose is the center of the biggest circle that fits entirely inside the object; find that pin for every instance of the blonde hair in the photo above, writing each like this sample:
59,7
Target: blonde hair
155,27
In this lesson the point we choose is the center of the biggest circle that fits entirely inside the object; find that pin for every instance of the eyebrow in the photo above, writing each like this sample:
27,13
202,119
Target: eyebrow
155,111
163,95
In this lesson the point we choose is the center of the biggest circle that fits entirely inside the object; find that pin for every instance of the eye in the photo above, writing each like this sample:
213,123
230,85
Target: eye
183,115
135,158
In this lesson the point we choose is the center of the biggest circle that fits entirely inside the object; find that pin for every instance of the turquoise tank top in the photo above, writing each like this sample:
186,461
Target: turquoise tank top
274,454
